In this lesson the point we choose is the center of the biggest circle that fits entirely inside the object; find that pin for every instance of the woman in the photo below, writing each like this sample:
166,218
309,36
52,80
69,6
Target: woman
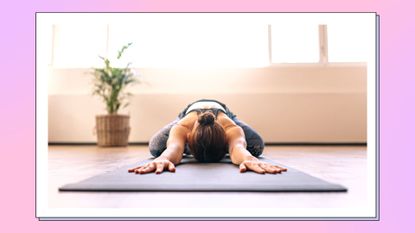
208,130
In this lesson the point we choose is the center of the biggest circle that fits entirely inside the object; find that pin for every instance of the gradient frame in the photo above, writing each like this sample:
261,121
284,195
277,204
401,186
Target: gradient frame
395,119
377,200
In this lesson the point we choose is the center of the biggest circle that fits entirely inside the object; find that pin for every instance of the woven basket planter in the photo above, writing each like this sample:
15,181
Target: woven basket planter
112,130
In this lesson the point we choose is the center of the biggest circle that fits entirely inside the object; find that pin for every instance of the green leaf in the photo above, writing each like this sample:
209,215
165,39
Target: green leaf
110,83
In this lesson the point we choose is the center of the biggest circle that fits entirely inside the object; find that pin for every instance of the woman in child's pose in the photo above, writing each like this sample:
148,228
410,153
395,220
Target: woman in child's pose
208,130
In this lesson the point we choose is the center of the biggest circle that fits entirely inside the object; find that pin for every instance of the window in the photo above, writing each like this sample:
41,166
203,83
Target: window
192,45
187,41
79,45
294,43
212,40
349,41
346,38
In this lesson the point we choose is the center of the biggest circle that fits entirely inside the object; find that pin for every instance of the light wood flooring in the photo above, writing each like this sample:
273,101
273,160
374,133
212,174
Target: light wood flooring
345,165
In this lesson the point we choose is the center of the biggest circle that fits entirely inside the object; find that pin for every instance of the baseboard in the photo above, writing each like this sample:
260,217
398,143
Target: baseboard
266,144
91,143
315,144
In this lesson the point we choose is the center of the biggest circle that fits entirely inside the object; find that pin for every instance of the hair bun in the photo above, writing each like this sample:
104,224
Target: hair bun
206,118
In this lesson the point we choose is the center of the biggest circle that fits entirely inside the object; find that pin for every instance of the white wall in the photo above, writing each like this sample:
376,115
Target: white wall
284,103
292,103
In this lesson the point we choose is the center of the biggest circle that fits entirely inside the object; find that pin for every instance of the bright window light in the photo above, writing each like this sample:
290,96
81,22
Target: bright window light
295,43
79,45
209,40
349,41
192,45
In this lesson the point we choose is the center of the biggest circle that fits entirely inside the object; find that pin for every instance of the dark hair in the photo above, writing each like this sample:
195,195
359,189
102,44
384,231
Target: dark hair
207,142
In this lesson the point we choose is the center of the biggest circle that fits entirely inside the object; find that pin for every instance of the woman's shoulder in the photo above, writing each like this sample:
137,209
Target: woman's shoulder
188,121
225,121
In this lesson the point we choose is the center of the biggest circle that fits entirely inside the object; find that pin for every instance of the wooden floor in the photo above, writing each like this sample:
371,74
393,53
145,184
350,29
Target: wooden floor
345,165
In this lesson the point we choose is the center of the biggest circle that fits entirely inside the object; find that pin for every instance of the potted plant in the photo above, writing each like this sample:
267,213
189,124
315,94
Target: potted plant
110,84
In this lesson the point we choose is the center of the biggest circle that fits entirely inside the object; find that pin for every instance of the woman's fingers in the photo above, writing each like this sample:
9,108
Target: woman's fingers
282,168
155,166
242,167
160,167
150,167
171,167
261,167
269,168
133,169
255,167
136,169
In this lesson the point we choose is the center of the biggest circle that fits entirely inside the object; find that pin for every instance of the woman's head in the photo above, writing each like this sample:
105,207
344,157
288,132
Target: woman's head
207,141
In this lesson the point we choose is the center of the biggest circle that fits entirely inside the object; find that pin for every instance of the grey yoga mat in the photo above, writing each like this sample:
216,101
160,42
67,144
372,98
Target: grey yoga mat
215,177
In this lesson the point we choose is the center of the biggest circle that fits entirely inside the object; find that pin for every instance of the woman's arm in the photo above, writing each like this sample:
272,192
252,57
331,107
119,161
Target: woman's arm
237,144
170,157
241,156
175,144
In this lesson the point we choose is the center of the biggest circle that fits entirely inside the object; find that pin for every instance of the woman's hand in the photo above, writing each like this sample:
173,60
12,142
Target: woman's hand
158,165
260,167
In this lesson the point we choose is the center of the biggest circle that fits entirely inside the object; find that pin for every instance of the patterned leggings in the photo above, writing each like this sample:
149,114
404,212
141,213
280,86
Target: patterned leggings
158,143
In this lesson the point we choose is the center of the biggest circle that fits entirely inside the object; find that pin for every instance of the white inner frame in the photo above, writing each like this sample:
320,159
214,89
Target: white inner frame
43,21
